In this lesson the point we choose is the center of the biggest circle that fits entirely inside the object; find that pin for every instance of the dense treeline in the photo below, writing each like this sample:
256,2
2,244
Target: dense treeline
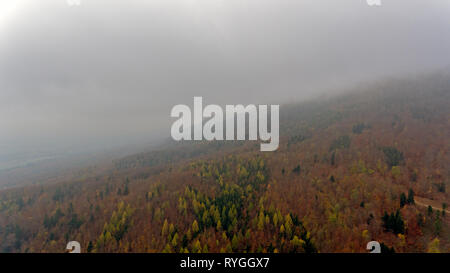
351,169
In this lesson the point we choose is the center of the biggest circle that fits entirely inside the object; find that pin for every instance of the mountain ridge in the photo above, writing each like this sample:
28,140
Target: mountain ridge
342,165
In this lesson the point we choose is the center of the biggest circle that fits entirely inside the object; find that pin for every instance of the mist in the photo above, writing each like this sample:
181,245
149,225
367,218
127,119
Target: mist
107,73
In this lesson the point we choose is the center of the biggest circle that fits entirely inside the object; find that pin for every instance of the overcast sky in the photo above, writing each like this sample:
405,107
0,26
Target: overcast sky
108,72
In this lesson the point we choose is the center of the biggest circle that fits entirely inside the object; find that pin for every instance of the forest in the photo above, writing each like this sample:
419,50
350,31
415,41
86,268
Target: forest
368,164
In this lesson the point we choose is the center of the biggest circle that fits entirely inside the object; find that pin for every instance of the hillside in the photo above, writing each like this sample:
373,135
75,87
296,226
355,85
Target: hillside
348,170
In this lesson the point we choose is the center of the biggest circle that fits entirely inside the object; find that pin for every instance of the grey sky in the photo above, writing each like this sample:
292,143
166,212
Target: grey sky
108,72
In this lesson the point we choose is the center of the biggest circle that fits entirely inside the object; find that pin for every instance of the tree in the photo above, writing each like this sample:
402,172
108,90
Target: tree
165,228
410,199
333,158
358,128
197,248
260,224
437,224
195,228
342,142
440,187
393,156
385,249
167,249
184,241
402,200
171,229
175,240
126,191
235,242
90,247
205,249
296,242
282,229
393,222
433,246
275,219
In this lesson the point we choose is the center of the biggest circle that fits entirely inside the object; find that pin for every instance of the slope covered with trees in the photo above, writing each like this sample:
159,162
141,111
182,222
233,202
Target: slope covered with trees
348,170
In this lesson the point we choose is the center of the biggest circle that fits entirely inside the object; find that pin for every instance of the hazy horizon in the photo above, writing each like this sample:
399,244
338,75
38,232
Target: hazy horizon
106,73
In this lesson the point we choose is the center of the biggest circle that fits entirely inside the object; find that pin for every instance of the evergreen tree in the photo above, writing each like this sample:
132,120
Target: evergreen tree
402,200
410,196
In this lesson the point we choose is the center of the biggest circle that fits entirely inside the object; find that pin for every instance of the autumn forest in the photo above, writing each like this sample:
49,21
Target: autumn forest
369,164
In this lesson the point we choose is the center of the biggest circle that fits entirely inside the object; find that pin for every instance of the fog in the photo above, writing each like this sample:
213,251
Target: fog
107,73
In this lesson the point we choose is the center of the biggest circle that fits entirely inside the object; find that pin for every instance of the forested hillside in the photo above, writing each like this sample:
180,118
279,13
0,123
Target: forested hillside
372,164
